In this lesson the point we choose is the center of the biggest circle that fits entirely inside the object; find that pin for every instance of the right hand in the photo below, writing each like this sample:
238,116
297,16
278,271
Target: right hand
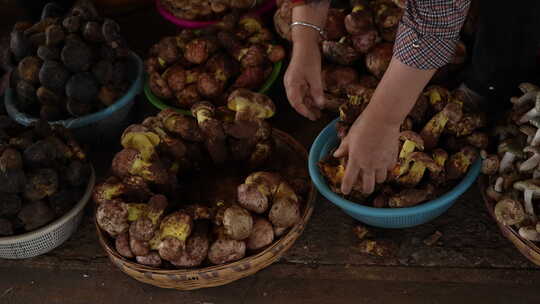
303,79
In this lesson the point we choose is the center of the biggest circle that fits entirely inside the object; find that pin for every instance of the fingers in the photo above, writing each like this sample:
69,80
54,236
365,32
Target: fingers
343,149
316,91
380,175
351,175
296,95
368,181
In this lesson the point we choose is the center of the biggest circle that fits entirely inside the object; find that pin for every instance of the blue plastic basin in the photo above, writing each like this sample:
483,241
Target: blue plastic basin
103,126
382,217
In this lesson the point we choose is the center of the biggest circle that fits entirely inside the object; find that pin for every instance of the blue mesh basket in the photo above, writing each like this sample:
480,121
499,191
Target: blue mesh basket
382,217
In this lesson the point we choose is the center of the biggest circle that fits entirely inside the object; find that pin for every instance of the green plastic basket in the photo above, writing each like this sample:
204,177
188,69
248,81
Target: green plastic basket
162,105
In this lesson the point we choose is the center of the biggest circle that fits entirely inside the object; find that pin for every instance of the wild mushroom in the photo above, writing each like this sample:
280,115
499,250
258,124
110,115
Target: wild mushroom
420,162
535,140
138,137
250,106
438,97
107,191
411,197
530,93
174,231
131,162
529,233
213,129
490,163
509,212
532,162
411,141
534,112
531,190
510,150
238,223
434,128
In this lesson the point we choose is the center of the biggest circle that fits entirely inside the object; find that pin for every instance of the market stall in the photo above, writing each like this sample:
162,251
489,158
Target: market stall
201,168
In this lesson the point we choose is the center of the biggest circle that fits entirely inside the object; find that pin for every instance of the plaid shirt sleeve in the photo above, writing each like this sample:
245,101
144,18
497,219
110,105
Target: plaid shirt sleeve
429,31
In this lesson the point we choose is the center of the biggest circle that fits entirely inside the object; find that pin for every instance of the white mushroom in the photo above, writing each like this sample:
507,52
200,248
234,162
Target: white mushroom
529,233
531,132
531,190
510,151
532,162
499,182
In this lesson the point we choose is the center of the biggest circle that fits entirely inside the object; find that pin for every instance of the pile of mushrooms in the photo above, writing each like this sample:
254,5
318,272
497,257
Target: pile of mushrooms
143,206
208,64
514,172
43,174
207,10
359,37
439,142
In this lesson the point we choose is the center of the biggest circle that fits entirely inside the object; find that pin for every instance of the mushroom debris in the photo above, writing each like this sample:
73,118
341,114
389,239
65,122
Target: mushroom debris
513,167
68,65
43,174
140,207
440,140
207,10
360,37
208,64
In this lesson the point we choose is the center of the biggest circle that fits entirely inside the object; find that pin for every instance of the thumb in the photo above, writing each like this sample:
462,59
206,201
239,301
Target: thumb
343,149
318,97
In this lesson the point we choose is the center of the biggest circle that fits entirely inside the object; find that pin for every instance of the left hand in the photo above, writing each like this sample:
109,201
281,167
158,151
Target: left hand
371,147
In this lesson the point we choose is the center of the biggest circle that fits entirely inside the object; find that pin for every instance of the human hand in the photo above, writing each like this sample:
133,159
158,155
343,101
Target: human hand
303,80
371,148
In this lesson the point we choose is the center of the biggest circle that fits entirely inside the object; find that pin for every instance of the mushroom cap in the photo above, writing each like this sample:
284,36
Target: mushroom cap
509,212
531,149
426,160
440,156
526,87
453,111
528,130
258,105
529,184
414,137
511,146
203,106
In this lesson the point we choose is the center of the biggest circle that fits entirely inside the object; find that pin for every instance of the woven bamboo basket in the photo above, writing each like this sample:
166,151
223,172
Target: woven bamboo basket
190,279
529,249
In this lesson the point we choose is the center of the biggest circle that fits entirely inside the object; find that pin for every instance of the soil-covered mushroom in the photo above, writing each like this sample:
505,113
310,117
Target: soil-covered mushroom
174,231
131,162
53,75
152,259
197,247
10,204
63,201
238,223
82,87
225,250
420,163
261,235
529,233
112,216
40,154
341,52
76,56
11,159
431,132
378,59
122,246
182,125
41,184
35,214
285,211
411,197
28,69
459,163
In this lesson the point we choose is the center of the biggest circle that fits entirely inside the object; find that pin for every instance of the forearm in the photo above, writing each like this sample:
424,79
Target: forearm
314,12
397,93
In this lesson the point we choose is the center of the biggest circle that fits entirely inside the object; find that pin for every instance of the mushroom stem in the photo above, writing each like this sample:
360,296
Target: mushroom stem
530,163
499,184
507,161
529,115
528,198
536,139
536,173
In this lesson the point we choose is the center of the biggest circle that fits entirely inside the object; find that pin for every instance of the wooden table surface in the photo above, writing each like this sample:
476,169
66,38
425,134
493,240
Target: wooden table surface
472,262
